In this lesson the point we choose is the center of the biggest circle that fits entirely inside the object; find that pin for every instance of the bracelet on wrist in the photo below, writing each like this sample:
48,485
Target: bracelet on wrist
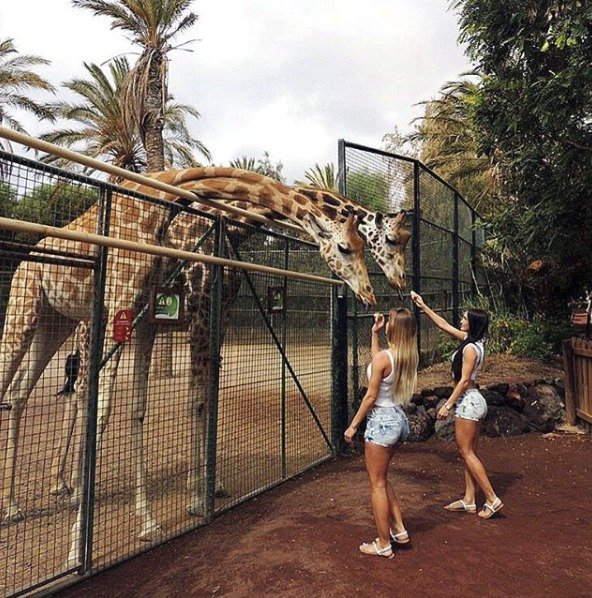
447,407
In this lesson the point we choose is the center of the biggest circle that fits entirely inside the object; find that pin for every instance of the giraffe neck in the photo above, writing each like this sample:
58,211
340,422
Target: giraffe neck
337,207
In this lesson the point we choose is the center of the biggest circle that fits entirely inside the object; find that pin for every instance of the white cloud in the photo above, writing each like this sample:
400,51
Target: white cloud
286,76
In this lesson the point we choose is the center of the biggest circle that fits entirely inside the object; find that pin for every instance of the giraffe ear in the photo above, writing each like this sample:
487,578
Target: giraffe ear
319,228
400,217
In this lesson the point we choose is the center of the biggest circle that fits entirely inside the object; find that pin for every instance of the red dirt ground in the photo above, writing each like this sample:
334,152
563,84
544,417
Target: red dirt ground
302,538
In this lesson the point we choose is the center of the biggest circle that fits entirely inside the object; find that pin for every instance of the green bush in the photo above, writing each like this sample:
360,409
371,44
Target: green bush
538,339
521,336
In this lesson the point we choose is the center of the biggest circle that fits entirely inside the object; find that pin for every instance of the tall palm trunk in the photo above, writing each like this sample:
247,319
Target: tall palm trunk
152,124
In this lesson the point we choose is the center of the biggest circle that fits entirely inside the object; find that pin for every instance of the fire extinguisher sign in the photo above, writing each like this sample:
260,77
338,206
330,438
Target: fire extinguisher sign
122,325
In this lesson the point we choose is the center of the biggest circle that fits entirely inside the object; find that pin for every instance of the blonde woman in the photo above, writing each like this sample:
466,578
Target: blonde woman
392,376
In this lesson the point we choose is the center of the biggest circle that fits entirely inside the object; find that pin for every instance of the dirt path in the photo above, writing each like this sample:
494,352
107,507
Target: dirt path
302,538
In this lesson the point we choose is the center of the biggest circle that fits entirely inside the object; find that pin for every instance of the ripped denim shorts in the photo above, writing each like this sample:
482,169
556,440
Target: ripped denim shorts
471,405
386,426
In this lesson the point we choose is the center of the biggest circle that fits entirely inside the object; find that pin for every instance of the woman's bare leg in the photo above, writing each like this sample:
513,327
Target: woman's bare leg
466,431
377,462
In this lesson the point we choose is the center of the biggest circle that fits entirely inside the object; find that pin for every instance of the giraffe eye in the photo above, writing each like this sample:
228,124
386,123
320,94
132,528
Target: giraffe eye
344,249
392,241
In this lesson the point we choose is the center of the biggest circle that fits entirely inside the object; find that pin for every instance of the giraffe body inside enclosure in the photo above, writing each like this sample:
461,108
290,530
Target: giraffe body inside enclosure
387,238
47,302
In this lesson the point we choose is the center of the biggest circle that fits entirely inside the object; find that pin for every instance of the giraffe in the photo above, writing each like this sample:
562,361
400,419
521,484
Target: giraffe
386,241
385,234
53,299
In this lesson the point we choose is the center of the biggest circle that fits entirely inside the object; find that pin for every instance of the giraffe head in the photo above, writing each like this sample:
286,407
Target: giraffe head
342,248
387,238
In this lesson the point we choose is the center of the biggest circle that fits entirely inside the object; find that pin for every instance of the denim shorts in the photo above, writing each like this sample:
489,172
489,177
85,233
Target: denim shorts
471,405
386,426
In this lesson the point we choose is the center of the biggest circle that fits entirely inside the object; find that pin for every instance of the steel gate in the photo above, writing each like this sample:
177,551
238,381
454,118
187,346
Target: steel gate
273,405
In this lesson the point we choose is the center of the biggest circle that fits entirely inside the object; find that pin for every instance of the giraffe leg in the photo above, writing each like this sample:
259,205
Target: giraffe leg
197,442
51,331
144,342
61,487
58,467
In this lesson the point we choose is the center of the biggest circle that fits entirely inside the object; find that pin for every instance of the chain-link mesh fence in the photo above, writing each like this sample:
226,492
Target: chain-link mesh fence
158,442
440,258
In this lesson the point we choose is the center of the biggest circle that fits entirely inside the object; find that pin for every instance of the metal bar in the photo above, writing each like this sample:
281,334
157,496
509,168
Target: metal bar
25,248
455,268
96,349
373,150
282,352
417,246
339,399
355,352
64,233
473,255
214,378
27,257
115,171
341,168
284,427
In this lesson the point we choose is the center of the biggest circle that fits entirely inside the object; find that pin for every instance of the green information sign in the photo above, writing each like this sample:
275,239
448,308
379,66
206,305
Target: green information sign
167,305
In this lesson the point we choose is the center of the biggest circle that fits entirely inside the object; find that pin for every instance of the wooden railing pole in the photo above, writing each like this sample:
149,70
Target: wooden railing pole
570,391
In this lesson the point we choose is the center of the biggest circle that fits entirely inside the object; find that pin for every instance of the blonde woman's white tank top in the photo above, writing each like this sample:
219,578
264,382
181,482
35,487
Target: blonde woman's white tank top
386,396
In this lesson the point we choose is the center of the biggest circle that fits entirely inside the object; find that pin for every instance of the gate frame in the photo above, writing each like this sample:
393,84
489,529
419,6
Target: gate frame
97,360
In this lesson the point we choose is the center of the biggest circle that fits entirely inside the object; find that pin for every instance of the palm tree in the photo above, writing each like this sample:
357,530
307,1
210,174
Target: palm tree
152,24
105,132
448,143
320,177
263,166
16,81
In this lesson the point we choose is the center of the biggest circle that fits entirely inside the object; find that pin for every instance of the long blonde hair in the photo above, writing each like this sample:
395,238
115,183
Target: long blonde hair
401,336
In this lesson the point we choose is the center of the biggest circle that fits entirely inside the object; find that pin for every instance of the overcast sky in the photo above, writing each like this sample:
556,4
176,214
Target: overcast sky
290,77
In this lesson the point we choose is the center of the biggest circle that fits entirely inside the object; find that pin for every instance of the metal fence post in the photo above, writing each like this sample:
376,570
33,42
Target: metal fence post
215,324
97,336
473,255
283,386
417,245
339,398
455,266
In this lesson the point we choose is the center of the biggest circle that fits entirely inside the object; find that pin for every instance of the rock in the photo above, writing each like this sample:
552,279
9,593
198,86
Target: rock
501,389
571,429
493,397
427,391
444,428
432,412
543,407
443,392
430,401
410,408
514,399
516,403
504,421
417,399
421,427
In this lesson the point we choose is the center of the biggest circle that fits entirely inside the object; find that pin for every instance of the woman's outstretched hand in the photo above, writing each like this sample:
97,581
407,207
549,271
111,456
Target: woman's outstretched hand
378,322
418,300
